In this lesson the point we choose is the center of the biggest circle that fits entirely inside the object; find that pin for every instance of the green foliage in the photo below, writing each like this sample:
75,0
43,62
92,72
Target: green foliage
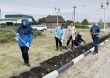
7,34
85,22
67,22
81,27
41,20
36,33
77,23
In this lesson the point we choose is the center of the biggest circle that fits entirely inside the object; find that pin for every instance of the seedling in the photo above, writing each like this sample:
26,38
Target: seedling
55,66
67,60
48,70
30,76
61,63
42,74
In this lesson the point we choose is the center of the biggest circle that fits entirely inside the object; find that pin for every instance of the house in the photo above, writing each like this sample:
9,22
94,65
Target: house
15,20
51,21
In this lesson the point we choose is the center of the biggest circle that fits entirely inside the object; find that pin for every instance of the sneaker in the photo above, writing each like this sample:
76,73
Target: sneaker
60,48
28,64
94,53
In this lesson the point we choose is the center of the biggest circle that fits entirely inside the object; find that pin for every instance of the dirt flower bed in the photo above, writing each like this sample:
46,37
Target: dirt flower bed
56,62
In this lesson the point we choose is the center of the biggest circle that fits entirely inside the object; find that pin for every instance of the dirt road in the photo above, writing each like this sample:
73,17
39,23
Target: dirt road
91,66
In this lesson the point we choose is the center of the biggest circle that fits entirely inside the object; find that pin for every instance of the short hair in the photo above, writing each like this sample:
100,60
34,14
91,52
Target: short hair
95,23
71,22
63,25
81,33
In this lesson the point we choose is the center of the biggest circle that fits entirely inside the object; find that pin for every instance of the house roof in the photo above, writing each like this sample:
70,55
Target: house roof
53,19
18,16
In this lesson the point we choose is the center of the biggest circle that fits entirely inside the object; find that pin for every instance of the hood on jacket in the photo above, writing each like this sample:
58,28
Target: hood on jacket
27,21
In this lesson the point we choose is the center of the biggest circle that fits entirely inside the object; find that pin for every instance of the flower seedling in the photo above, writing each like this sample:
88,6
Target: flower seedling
83,50
77,54
61,63
30,76
48,70
42,74
67,60
55,66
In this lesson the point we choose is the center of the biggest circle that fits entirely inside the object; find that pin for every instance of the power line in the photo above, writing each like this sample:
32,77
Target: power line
74,14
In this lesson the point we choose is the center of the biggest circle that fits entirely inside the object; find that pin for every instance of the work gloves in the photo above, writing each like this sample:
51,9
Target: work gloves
56,36
27,44
17,34
62,41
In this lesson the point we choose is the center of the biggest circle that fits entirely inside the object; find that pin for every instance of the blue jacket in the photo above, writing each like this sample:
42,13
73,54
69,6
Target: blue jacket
25,33
59,32
95,29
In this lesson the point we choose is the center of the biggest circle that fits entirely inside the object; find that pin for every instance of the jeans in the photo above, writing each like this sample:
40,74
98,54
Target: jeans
58,41
25,56
95,41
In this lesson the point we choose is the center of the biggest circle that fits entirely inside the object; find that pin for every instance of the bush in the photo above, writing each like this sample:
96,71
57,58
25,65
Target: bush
7,35
81,27
36,33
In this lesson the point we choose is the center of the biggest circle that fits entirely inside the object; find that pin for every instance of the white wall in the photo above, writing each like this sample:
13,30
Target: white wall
18,21
3,21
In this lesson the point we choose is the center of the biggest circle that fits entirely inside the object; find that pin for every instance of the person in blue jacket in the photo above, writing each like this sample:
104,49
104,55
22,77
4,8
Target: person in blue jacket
25,32
59,33
95,31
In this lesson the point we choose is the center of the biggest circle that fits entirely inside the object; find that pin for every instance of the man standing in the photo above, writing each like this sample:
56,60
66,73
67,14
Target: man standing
94,31
59,33
71,34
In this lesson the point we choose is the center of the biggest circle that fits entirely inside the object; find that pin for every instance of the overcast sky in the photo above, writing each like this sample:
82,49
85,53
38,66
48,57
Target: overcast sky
89,9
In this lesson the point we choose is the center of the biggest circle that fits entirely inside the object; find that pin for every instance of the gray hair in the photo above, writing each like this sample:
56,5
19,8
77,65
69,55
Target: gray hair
95,23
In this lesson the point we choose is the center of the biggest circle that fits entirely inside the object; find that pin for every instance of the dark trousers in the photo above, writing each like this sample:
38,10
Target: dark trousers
72,41
25,56
58,42
95,41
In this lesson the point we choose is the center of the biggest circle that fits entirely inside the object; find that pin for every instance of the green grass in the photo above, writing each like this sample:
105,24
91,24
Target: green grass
11,62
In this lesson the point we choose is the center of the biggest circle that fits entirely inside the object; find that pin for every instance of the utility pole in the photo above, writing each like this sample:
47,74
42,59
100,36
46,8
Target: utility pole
100,22
57,11
0,14
74,9
102,7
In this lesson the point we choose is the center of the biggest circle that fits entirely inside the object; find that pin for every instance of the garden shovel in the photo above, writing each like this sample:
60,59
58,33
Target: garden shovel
68,49
27,46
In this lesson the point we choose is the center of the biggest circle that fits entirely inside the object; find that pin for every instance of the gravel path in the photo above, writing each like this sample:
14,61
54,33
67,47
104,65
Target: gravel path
91,66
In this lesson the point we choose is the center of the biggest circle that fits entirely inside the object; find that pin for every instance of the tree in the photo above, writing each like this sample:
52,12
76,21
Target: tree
85,22
41,20
77,22
67,23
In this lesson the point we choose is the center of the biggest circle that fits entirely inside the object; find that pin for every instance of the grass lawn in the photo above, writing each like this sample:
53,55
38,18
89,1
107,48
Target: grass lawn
11,62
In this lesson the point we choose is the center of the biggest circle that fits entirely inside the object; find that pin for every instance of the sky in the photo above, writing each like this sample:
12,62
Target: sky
86,9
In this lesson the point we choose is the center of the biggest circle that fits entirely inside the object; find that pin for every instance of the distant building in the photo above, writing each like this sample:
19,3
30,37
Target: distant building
15,20
51,21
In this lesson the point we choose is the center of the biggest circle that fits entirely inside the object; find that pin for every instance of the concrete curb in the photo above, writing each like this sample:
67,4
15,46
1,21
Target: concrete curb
56,72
